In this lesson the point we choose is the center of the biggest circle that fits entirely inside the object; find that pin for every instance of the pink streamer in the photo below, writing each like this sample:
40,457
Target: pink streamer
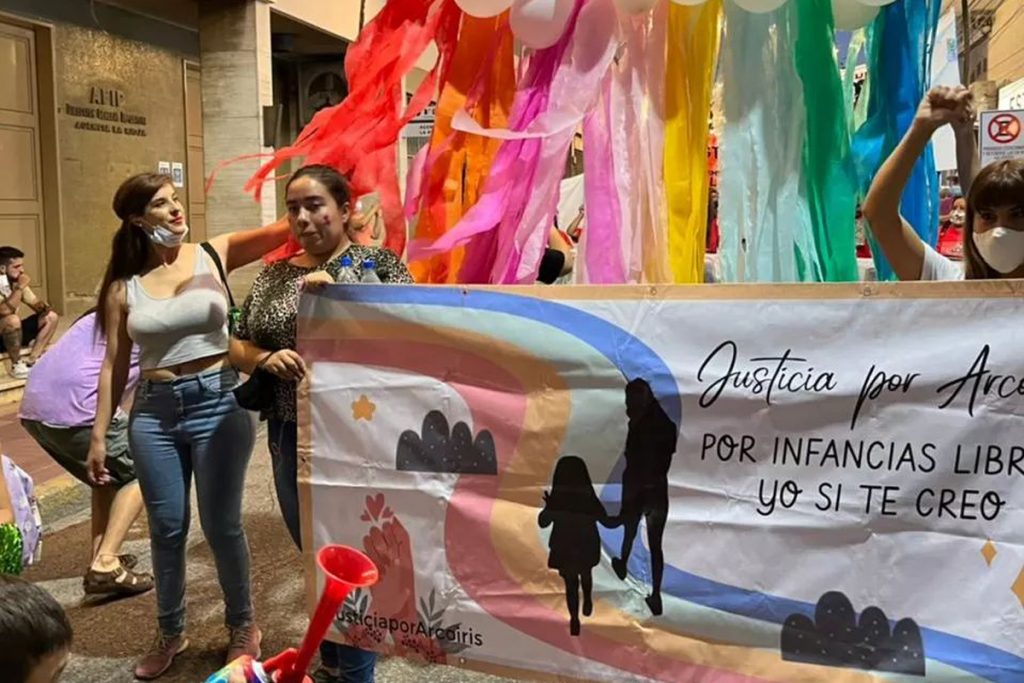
510,224
603,249
624,134
640,92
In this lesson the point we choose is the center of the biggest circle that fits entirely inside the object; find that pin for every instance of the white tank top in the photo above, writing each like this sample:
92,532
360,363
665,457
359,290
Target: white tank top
188,326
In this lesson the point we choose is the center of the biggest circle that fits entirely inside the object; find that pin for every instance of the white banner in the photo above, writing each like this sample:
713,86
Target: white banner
717,484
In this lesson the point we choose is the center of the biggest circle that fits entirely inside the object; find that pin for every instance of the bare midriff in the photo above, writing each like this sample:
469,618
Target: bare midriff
185,369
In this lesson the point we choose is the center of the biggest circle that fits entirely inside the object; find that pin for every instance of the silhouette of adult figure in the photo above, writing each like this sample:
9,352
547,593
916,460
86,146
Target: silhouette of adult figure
650,444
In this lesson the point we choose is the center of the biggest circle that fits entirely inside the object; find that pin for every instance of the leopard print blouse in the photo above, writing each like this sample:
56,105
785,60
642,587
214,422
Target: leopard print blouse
268,316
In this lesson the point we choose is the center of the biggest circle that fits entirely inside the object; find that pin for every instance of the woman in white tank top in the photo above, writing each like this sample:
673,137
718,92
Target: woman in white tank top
165,296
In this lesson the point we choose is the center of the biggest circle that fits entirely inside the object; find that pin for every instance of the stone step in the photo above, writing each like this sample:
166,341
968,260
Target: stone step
11,390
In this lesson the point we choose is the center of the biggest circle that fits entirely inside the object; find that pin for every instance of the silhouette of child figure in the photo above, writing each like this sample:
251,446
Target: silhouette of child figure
575,511
650,444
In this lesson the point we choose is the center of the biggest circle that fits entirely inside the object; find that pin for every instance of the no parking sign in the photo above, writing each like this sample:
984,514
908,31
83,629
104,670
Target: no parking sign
1002,136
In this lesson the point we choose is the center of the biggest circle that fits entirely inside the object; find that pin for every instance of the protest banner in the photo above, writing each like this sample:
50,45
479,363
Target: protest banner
799,484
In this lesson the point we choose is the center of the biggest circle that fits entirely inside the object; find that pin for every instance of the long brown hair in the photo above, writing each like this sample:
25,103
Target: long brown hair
998,184
131,247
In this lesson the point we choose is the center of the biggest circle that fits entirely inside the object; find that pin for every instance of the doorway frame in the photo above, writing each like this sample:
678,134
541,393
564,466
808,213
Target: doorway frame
49,150
187,64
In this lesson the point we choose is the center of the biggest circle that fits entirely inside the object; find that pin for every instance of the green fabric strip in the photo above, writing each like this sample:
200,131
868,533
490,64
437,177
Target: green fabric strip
829,170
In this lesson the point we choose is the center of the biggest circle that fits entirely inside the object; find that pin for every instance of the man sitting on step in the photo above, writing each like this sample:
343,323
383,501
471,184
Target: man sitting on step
16,332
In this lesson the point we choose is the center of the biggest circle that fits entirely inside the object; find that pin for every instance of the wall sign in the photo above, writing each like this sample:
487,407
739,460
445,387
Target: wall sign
105,112
1001,137
1012,96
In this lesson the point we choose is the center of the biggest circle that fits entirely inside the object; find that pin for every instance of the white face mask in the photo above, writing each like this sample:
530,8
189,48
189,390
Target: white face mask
1002,248
957,217
163,237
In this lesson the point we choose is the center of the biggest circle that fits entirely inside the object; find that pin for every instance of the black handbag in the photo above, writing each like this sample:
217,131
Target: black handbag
257,393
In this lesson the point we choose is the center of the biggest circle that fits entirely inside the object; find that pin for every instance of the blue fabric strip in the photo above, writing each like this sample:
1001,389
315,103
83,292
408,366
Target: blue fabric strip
900,71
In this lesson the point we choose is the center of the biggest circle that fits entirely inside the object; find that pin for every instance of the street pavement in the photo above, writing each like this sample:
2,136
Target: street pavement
109,635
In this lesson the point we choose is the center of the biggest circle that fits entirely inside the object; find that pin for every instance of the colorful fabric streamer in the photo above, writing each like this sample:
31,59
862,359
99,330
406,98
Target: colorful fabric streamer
507,230
602,245
448,178
902,41
830,177
638,119
764,215
693,36
358,137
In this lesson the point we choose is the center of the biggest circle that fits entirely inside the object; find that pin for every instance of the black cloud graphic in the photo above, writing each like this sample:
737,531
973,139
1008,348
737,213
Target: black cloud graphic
437,449
836,638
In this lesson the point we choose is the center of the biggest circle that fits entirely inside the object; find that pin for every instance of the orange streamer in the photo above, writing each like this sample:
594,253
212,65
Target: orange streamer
455,178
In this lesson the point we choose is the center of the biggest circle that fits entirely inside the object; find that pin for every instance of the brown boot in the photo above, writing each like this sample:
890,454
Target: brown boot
245,640
158,660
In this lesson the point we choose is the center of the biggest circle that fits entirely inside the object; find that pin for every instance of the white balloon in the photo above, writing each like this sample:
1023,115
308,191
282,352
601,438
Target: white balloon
637,6
483,8
758,6
853,14
540,23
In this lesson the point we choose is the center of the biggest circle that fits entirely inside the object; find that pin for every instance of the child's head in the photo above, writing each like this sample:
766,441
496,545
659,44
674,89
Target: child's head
571,474
34,631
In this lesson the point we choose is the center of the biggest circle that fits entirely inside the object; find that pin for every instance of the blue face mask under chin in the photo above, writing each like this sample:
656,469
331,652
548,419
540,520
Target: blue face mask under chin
163,237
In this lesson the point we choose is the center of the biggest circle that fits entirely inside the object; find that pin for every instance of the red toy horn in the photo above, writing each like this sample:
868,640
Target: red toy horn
345,569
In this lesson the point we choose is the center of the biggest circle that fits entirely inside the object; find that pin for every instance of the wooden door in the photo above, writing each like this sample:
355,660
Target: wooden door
21,186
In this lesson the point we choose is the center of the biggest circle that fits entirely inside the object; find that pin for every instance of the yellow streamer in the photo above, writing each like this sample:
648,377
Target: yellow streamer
693,37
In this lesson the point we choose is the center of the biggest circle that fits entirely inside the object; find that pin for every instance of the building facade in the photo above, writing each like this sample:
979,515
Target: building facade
996,52
94,91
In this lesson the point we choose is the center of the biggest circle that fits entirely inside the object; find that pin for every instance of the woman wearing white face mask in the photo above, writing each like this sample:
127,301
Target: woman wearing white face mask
993,234
167,297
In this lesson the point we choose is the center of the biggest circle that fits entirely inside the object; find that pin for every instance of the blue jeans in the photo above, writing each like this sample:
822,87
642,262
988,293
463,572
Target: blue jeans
356,665
193,425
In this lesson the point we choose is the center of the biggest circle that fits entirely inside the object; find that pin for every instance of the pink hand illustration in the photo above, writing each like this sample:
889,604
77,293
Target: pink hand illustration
394,595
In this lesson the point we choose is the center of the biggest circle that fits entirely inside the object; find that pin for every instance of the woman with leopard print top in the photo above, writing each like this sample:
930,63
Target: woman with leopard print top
318,200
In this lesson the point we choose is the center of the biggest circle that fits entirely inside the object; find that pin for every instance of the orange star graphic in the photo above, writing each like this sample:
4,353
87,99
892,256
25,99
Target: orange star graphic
363,409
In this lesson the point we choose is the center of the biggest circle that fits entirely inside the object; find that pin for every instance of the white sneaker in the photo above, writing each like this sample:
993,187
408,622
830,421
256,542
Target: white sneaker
19,370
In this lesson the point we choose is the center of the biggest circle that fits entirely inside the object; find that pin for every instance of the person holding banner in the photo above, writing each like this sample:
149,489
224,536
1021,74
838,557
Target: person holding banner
993,235
319,213
165,296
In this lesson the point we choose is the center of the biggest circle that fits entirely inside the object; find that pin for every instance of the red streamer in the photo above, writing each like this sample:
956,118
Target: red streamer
359,136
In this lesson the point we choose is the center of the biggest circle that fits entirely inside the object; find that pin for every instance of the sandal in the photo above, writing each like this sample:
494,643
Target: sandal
128,561
121,581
